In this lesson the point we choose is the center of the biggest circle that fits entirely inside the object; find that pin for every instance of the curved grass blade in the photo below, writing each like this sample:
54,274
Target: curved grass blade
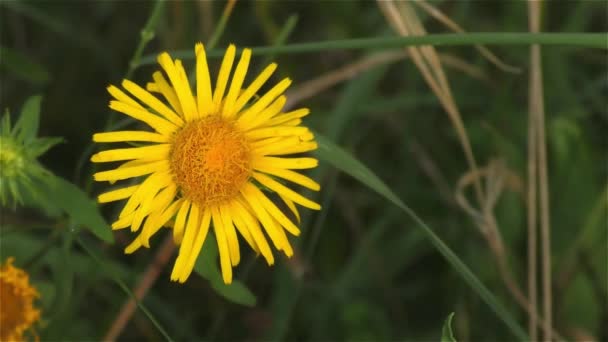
342,160
589,40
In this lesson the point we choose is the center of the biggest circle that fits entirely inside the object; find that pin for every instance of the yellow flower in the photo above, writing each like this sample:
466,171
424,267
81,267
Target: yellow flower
17,312
207,161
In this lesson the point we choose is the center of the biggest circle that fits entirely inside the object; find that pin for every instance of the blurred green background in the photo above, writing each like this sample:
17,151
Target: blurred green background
362,271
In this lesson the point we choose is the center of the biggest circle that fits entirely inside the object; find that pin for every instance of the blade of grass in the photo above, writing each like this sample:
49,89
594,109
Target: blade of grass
587,40
343,161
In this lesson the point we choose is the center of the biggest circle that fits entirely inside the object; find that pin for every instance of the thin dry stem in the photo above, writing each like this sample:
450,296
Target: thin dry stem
497,176
405,21
148,279
537,109
452,25
319,84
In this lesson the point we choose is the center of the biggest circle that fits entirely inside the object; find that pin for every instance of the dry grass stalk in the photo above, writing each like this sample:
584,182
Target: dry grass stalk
404,20
452,25
536,106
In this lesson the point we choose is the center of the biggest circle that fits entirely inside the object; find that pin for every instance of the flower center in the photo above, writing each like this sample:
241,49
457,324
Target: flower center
210,160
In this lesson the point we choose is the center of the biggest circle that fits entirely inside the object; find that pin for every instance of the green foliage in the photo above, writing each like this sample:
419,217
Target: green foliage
446,331
362,270
207,266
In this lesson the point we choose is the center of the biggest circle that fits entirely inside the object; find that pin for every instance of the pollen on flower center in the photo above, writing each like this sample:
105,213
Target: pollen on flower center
210,160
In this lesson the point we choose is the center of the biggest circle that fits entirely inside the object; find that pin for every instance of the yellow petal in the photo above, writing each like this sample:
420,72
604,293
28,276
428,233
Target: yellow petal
152,102
122,97
285,191
180,222
177,77
155,181
148,153
231,238
236,84
203,81
192,227
276,233
273,210
281,119
291,176
120,136
130,172
254,87
222,246
198,245
276,131
285,163
222,78
161,125
168,92
117,195
244,220
265,100
249,122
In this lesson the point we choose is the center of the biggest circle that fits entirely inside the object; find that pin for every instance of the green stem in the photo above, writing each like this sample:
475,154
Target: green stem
588,40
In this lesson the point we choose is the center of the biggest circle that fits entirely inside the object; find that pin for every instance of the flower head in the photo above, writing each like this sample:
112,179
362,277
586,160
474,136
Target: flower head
210,161
17,311
21,175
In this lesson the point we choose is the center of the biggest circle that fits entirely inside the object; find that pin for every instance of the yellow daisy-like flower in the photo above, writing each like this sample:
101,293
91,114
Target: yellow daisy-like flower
17,311
206,162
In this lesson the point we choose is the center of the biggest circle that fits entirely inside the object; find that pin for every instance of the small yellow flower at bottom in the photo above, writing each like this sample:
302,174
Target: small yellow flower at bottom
17,311
213,158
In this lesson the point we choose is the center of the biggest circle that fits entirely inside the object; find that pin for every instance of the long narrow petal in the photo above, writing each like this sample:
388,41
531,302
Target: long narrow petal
231,238
289,148
276,234
285,191
117,195
289,203
152,102
222,245
121,136
198,245
281,119
160,218
236,84
161,125
157,203
241,226
249,122
244,219
156,180
276,131
273,210
222,78
168,92
203,81
285,163
180,222
176,73
266,99
291,176
192,227
120,96
254,87
152,152
130,172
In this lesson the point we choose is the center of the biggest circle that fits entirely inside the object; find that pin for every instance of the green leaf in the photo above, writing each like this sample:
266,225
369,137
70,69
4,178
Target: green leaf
39,146
26,127
446,331
5,125
342,160
81,210
207,266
